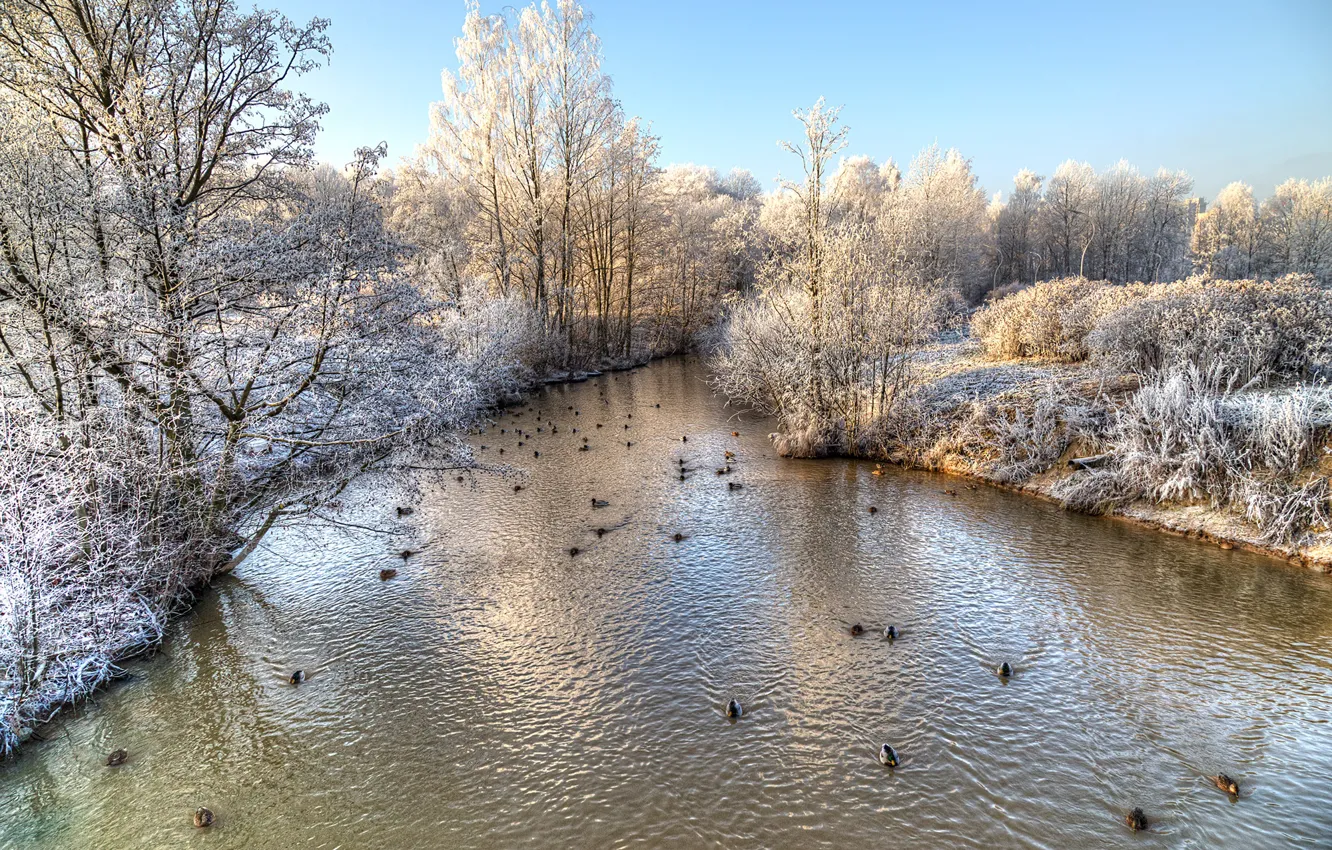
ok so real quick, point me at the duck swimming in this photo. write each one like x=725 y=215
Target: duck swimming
x=406 y=511
x=1225 y=783
x=1005 y=670
x=890 y=633
x=857 y=630
x=387 y=573
x=600 y=503
x=677 y=537
x=573 y=552
x=1136 y=820
x=203 y=816
x=888 y=756
x=873 y=509
x=117 y=758
x=297 y=677
x=734 y=709
x=731 y=485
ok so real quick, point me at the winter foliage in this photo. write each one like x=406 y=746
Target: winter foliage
x=205 y=334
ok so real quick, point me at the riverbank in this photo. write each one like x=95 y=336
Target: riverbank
x=91 y=625
x=1026 y=426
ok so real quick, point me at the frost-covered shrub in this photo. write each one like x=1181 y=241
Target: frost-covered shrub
x=93 y=555
x=1281 y=432
x=1282 y=509
x=1256 y=329
x=1031 y=322
x=1188 y=435
x=1243 y=330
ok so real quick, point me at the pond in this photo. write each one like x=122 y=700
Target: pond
x=500 y=691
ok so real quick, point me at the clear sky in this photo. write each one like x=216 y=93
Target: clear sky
x=1225 y=90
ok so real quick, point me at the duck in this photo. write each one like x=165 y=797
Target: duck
x=677 y=537
x=734 y=709
x=406 y=553
x=583 y=447
x=873 y=509
x=658 y=405
x=600 y=503
x=626 y=426
x=601 y=532
x=1005 y=670
x=684 y=439
x=406 y=511
x=857 y=630
x=628 y=444
x=950 y=492
x=297 y=677
x=888 y=756
x=1136 y=820
x=598 y=424
x=203 y=816
x=735 y=433
x=117 y=758
x=732 y=485
x=536 y=454
x=1225 y=783
x=573 y=552
x=682 y=461
x=890 y=633
x=387 y=573
x=730 y=455
x=517 y=488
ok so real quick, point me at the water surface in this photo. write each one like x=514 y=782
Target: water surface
x=500 y=692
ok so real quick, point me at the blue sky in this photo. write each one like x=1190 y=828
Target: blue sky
x=1226 y=91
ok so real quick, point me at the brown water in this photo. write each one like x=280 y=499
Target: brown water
x=500 y=693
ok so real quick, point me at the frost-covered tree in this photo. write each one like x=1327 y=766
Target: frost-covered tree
x=1296 y=229
x=1226 y=238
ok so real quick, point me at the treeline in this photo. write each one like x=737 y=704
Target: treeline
x=1122 y=226
x=537 y=187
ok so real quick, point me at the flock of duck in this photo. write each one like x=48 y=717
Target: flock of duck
x=1136 y=819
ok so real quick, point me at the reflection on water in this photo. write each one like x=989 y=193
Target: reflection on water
x=499 y=692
